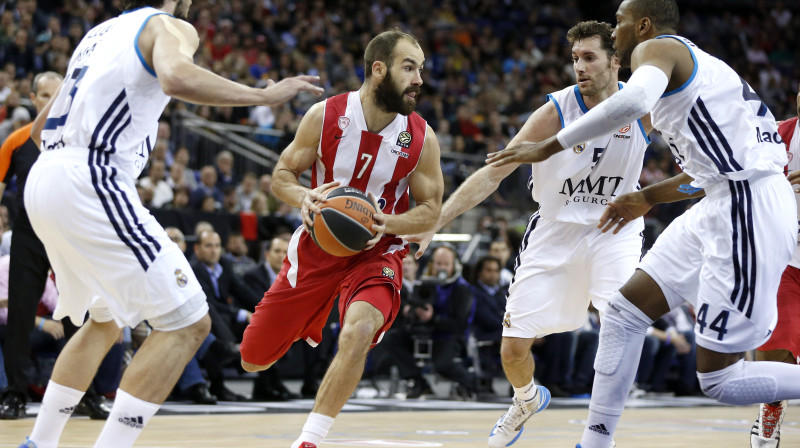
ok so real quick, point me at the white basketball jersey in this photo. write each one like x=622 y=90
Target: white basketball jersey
x=576 y=184
x=717 y=127
x=794 y=165
x=110 y=101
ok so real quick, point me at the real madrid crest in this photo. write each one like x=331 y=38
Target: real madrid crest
x=507 y=320
x=404 y=139
x=181 y=278
x=579 y=148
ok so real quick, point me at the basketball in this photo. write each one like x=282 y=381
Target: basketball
x=343 y=226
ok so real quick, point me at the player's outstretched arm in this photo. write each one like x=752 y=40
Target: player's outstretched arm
x=543 y=123
x=168 y=45
x=427 y=186
x=297 y=158
x=627 y=207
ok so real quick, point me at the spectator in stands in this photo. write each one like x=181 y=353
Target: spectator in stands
x=259 y=204
x=224 y=166
x=500 y=250
x=490 y=306
x=265 y=187
x=207 y=187
x=189 y=175
x=156 y=181
x=231 y=300
x=230 y=200
x=236 y=252
x=246 y=190
x=19 y=118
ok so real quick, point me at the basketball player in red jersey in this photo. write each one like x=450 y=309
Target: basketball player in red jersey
x=371 y=140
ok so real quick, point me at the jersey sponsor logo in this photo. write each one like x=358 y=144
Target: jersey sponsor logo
x=180 y=278
x=590 y=191
x=579 y=148
x=404 y=139
x=388 y=272
x=399 y=153
x=624 y=129
x=768 y=136
x=507 y=320
x=344 y=122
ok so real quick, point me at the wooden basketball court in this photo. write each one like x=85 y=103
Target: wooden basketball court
x=365 y=424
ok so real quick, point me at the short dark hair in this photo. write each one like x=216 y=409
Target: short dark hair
x=479 y=265
x=42 y=75
x=128 y=5
x=381 y=48
x=662 y=13
x=592 y=28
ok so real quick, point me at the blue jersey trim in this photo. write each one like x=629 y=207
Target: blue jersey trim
x=579 y=97
x=136 y=44
x=694 y=71
x=558 y=108
x=641 y=126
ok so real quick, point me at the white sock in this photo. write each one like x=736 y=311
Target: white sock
x=57 y=405
x=315 y=429
x=128 y=417
x=526 y=392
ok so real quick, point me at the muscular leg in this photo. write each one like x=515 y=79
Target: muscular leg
x=361 y=322
x=517 y=359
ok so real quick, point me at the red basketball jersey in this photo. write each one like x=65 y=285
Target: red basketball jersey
x=376 y=163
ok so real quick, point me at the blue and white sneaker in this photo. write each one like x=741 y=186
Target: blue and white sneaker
x=509 y=427
x=28 y=443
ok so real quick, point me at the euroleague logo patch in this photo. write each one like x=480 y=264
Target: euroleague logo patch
x=404 y=139
x=181 y=278
x=388 y=272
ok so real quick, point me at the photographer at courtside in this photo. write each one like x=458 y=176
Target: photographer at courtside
x=440 y=310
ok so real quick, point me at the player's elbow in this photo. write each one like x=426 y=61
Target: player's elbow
x=174 y=86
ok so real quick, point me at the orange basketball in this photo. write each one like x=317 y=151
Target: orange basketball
x=344 y=225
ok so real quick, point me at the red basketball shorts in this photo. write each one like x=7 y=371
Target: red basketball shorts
x=288 y=313
x=786 y=335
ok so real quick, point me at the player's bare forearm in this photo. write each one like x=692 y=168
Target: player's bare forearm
x=419 y=219
x=676 y=188
x=286 y=186
x=472 y=192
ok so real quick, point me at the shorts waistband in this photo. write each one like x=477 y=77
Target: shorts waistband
x=723 y=188
x=71 y=154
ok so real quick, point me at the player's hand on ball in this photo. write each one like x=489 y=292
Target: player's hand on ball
x=423 y=239
x=311 y=202
x=525 y=152
x=623 y=210
x=379 y=226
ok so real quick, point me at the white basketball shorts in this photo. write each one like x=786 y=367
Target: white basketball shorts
x=725 y=256
x=561 y=268
x=108 y=253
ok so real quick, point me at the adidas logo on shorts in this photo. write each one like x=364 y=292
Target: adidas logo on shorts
x=600 y=428
x=133 y=422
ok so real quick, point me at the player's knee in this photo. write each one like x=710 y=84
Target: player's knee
x=515 y=350
x=733 y=385
x=249 y=367
x=357 y=335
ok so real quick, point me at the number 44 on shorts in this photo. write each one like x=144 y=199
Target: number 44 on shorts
x=718 y=324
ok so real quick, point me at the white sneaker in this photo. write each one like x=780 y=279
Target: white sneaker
x=766 y=432
x=509 y=427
